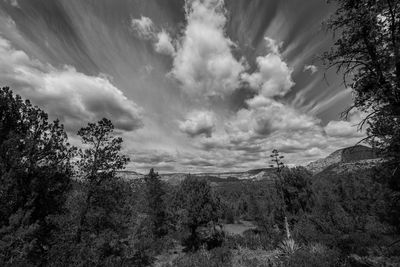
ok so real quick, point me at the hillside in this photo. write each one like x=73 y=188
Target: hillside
x=347 y=157
x=214 y=178
x=129 y=175
x=224 y=177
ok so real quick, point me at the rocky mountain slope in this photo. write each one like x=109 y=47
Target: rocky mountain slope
x=347 y=158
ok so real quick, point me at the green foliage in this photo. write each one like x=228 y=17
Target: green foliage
x=35 y=176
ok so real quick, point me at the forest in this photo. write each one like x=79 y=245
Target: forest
x=65 y=205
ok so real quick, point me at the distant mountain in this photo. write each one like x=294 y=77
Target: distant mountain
x=213 y=178
x=360 y=156
x=345 y=159
x=129 y=175
x=223 y=177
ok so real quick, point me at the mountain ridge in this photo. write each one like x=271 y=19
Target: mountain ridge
x=346 y=156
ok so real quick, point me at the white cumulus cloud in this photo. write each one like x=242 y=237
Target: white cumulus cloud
x=143 y=27
x=73 y=97
x=273 y=77
x=204 y=64
x=164 y=44
x=346 y=128
x=198 y=123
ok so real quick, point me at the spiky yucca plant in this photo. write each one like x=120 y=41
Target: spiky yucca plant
x=288 y=246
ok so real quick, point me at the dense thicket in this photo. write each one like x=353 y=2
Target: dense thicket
x=35 y=175
x=197 y=212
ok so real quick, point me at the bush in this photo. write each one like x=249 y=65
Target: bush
x=311 y=257
x=219 y=257
x=253 y=240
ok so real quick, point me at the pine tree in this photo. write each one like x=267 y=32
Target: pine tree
x=196 y=206
x=155 y=204
x=367 y=53
x=97 y=165
x=35 y=176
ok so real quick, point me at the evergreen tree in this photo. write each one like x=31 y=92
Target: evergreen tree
x=367 y=53
x=155 y=204
x=196 y=207
x=102 y=207
x=35 y=174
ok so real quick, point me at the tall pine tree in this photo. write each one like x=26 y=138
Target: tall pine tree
x=155 y=204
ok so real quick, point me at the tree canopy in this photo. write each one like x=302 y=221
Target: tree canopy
x=367 y=53
x=35 y=173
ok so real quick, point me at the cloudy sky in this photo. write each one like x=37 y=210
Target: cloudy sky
x=195 y=85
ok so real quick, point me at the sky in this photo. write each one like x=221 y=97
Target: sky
x=191 y=86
